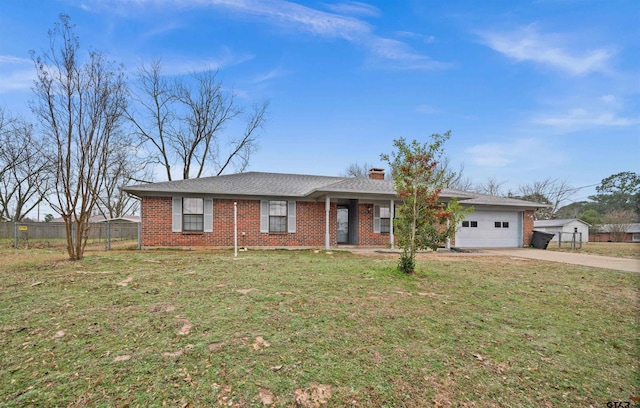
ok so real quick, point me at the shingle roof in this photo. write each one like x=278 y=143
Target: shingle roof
x=256 y=184
x=556 y=223
x=631 y=228
x=484 y=199
x=241 y=184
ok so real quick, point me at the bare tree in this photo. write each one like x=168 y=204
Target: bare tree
x=358 y=170
x=455 y=178
x=155 y=116
x=124 y=168
x=184 y=125
x=80 y=107
x=617 y=223
x=491 y=187
x=554 y=191
x=23 y=179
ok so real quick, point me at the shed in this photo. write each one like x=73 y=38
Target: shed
x=563 y=228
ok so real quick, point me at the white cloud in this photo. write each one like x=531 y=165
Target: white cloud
x=10 y=59
x=355 y=8
x=426 y=109
x=14 y=75
x=502 y=154
x=427 y=39
x=267 y=76
x=17 y=80
x=581 y=118
x=339 y=24
x=175 y=65
x=527 y=44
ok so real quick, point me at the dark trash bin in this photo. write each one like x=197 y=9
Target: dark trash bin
x=541 y=239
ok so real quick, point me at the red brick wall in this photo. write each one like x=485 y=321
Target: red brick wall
x=310 y=226
x=366 y=236
x=527 y=227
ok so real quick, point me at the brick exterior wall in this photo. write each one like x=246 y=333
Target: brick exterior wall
x=366 y=236
x=310 y=226
x=527 y=227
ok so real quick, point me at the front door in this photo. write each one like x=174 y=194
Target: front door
x=343 y=224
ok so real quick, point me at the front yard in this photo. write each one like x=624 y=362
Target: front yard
x=615 y=249
x=287 y=328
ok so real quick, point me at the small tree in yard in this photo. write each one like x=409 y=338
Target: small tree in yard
x=80 y=107
x=422 y=220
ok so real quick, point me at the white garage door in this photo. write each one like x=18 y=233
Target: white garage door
x=490 y=229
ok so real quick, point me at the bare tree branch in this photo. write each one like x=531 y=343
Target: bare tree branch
x=23 y=179
x=80 y=107
x=183 y=123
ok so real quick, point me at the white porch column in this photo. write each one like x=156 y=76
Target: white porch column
x=391 y=216
x=327 y=235
x=447 y=245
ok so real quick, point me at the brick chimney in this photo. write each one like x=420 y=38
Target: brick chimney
x=376 y=174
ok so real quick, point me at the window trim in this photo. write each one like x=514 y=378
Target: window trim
x=198 y=216
x=377 y=219
x=282 y=219
x=290 y=218
x=177 y=219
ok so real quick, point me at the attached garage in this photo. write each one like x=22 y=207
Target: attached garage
x=490 y=229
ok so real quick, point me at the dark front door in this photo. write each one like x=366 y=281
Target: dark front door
x=343 y=224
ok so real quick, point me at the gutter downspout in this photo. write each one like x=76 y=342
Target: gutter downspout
x=327 y=237
x=391 y=215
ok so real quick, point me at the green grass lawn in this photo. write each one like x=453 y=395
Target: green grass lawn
x=149 y=328
x=615 y=249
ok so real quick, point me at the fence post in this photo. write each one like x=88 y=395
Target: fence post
x=560 y=239
x=580 y=240
x=15 y=234
x=139 y=235
x=107 y=240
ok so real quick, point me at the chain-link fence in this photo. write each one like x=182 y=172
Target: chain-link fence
x=101 y=235
x=571 y=240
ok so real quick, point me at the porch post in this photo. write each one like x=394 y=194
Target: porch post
x=327 y=236
x=447 y=244
x=391 y=216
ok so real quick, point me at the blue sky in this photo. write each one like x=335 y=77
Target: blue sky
x=529 y=89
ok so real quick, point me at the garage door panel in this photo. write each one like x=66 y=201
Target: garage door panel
x=486 y=234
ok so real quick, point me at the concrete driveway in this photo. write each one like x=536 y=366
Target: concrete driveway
x=595 y=261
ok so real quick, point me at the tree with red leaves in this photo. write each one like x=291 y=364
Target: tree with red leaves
x=423 y=220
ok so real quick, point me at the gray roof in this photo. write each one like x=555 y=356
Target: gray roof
x=240 y=184
x=256 y=184
x=556 y=223
x=631 y=228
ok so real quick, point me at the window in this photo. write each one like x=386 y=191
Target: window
x=382 y=219
x=385 y=220
x=193 y=214
x=505 y=224
x=498 y=224
x=501 y=224
x=277 y=216
x=472 y=224
x=635 y=237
